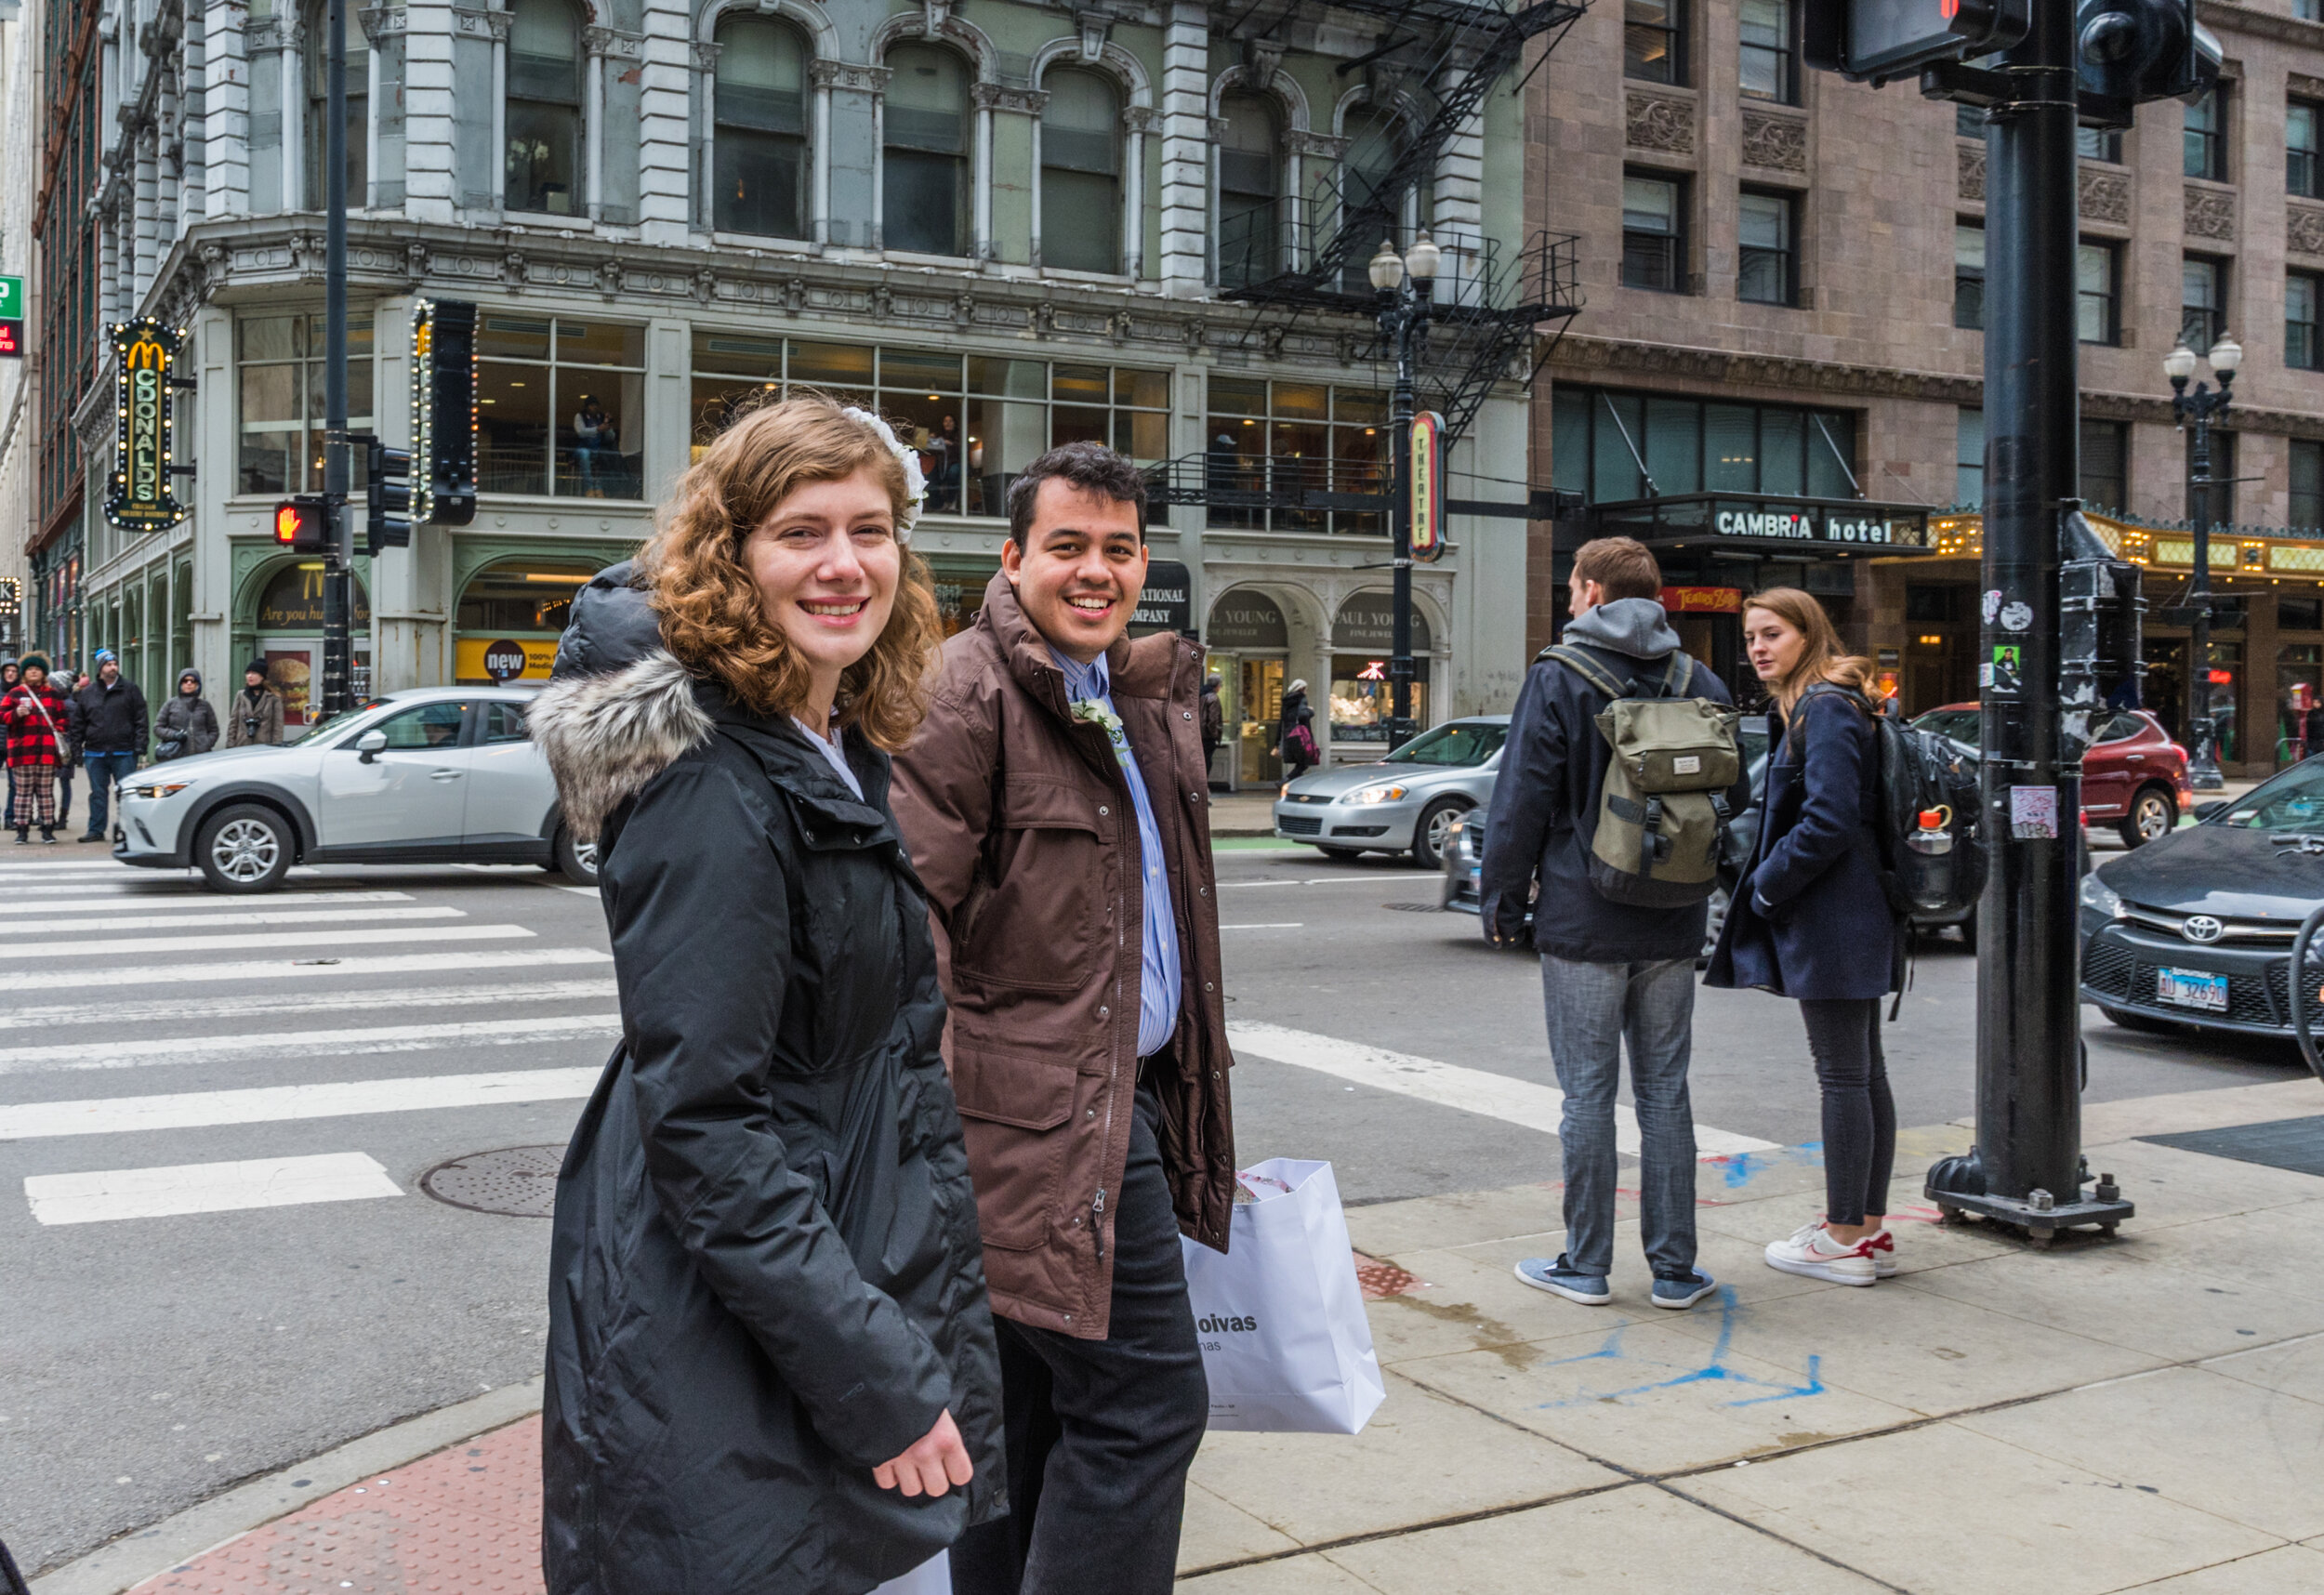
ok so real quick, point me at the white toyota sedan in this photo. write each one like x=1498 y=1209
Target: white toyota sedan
x=431 y=775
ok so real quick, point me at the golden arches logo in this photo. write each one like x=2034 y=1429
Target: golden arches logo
x=146 y=353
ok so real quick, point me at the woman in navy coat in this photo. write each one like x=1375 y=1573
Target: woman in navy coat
x=1810 y=920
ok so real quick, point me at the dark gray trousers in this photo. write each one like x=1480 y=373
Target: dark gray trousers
x=1101 y=1432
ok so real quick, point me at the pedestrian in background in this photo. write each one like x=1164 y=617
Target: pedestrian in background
x=1213 y=724
x=68 y=683
x=1296 y=731
x=186 y=724
x=111 y=724
x=1611 y=972
x=771 y=1364
x=1811 y=921
x=254 y=718
x=1055 y=802
x=34 y=714
x=10 y=675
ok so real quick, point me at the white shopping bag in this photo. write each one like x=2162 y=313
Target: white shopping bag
x=1283 y=1337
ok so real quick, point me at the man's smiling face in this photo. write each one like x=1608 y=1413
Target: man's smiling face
x=1080 y=570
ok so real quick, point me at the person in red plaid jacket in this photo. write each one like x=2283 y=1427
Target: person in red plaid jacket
x=35 y=715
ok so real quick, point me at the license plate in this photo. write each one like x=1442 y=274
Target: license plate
x=2192 y=988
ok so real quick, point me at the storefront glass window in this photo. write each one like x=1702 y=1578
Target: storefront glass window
x=560 y=406
x=2299 y=694
x=976 y=422
x=1362 y=638
x=290 y=635
x=510 y=617
x=1600 y=436
x=1263 y=437
x=280 y=380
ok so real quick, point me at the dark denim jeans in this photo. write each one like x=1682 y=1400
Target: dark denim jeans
x=105 y=769
x=1101 y=1432
x=1592 y=1010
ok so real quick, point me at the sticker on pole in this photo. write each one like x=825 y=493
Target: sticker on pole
x=2033 y=814
x=2000 y=677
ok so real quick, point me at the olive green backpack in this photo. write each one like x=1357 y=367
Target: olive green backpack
x=1662 y=809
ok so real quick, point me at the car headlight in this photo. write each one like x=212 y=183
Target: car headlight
x=160 y=788
x=2097 y=894
x=1384 y=794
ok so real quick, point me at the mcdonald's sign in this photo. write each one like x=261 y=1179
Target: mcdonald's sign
x=143 y=497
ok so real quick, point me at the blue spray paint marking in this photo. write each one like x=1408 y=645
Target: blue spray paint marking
x=1740 y=1168
x=1713 y=1371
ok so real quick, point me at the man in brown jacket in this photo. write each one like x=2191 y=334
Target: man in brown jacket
x=1057 y=807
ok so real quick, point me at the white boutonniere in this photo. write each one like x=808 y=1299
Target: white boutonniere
x=1097 y=714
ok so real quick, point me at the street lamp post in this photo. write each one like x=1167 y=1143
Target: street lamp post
x=1407 y=285
x=2201 y=403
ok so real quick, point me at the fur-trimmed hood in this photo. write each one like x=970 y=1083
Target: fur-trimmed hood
x=606 y=736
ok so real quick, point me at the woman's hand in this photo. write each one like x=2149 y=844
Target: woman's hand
x=936 y=1460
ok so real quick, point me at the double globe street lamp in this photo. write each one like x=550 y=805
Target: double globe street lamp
x=1407 y=285
x=2200 y=403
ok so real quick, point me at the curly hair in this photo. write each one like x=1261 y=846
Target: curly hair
x=711 y=614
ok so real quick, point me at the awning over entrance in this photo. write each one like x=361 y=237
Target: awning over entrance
x=1767 y=526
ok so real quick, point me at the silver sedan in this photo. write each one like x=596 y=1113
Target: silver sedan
x=1408 y=801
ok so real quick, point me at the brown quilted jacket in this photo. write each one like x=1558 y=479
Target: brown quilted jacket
x=1020 y=825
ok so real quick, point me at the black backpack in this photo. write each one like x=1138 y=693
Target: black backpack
x=1932 y=874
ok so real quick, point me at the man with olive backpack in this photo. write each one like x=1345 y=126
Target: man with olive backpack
x=1621 y=771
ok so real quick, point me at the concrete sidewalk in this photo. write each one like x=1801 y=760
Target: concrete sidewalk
x=2146 y=1412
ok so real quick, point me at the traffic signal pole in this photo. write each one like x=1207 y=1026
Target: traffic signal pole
x=2027 y=1168
x=337 y=576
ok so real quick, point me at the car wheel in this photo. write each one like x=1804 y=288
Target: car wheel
x=2144 y=1022
x=244 y=847
x=2154 y=815
x=1433 y=834
x=577 y=861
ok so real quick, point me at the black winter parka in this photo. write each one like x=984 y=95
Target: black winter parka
x=765 y=1270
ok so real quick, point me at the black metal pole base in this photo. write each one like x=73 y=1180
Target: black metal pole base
x=1956 y=1186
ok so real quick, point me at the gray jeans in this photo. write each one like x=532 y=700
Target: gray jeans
x=1593 y=1010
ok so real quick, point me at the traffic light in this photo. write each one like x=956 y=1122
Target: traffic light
x=444 y=412
x=2138 y=50
x=303 y=524
x=386 y=497
x=1887 y=39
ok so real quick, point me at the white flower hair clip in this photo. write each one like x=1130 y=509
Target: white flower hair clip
x=915 y=480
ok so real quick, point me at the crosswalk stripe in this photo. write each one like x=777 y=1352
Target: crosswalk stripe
x=147 y=945
x=235 y=917
x=129 y=1053
x=249 y=1005
x=1481 y=1091
x=311 y=969
x=156 y=901
x=103 y=1196
x=272 y=1104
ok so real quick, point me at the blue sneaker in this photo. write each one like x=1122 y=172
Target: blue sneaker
x=1559 y=1278
x=1679 y=1294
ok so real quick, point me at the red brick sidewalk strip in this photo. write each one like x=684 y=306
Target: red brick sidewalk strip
x=464 y=1522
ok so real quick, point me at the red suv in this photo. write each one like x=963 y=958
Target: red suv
x=2133 y=776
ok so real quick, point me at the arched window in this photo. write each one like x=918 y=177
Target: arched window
x=318 y=120
x=1081 y=172
x=759 y=151
x=1250 y=185
x=924 y=175
x=543 y=110
x=1376 y=141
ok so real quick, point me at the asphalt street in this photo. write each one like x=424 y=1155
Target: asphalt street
x=216 y=1259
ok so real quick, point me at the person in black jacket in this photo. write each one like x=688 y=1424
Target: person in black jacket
x=1296 y=734
x=1610 y=971
x=109 y=721
x=770 y=1364
x=1811 y=921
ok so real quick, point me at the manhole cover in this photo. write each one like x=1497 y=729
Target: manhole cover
x=1415 y=908
x=516 y=1180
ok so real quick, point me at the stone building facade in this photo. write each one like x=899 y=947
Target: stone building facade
x=998 y=219
x=1771 y=252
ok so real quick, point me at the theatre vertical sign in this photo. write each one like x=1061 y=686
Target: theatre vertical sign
x=144 y=487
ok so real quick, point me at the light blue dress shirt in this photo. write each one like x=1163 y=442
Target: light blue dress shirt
x=1158 y=962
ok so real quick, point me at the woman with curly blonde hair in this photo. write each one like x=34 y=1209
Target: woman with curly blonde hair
x=771 y=1364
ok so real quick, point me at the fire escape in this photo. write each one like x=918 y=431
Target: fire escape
x=1307 y=254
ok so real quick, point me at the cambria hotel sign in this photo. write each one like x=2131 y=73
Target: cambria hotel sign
x=143 y=497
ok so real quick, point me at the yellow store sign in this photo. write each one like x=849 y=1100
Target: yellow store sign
x=503 y=659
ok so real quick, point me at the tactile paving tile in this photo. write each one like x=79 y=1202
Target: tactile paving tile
x=464 y=1522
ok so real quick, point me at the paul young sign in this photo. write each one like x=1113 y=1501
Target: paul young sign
x=143 y=497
